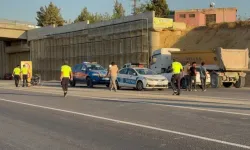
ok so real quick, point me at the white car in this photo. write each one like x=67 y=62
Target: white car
x=198 y=81
x=141 y=78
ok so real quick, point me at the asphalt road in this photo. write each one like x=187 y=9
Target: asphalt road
x=96 y=119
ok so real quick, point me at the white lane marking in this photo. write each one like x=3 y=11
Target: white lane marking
x=132 y=124
x=201 y=109
x=145 y=102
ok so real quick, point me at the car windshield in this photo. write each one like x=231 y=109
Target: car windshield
x=94 y=67
x=145 y=71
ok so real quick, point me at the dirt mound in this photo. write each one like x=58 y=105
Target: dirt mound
x=226 y=35
x=207 y=38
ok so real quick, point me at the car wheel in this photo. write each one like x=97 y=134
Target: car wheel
x=117 y=85
x=161 y=89
x=183 y=83
x=73 y=83
x=227 y=84
x=89 y=83
x=139 y=86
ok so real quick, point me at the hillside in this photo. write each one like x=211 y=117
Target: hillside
x=226 y=35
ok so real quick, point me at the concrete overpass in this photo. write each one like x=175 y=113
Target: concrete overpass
x=13 y=44
x=14 y=30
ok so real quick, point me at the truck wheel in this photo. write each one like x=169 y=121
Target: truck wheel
x=72 y=83
x=216 y=81
x=240 y=83
x=139 y=86
x=227 y=84
x=89 y=83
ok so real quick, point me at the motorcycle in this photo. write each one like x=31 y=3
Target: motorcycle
x=35 y=80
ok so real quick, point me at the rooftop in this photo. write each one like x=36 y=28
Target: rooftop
x=206 y=9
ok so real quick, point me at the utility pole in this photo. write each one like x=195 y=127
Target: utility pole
x=134 y=7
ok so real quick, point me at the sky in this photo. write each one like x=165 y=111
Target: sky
x=25 y=10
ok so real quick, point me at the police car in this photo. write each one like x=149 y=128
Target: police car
x=90 y=73
x=141 y=78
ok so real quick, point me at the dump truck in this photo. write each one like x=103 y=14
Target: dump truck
x=227 y=67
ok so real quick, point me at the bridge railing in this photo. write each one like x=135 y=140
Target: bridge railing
x=17 y=23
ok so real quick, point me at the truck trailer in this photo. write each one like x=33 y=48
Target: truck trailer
x=226 y=67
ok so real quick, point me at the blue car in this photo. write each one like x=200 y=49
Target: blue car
x=89 y=73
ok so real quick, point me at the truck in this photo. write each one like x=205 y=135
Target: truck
x=226 y=67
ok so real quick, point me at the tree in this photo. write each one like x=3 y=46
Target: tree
x=159 y=6
x=49 y=16
x=140 y=9
x=119 y=10
x=86 y=15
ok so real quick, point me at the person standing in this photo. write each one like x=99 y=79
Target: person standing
x=16 y=74
x=25 y=72
x=177 y=68
x=186 y=74
x=193 y=77
x=203 y=76
x=108 y=76
x=113 y=71
x=66 y=75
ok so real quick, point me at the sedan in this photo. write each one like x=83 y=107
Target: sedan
x=141 y=78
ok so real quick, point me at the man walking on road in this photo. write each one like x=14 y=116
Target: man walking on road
x=177 y=68
x=25 y=72
x=113 y=71
x=193 y=77
x=203 y=76
x=66 y=75
x=16 y=74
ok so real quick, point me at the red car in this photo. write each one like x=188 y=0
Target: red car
x=8 y=76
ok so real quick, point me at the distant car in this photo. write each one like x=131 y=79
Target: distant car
x=141 y=78
x=89 y=73
x=8 y=76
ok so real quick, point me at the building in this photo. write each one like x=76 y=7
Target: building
x=127 y=39
x=203 y=17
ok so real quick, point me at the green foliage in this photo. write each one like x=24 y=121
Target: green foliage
x=140 y=9
x=119 y=10
x=159 y=6
x=86 y=15
x=97 y=17
x=49 y=16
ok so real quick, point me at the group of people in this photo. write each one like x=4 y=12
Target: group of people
x=67 y=75
x=189 y=72
x=19 y=73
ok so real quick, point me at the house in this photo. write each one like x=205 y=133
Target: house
x=203 y=17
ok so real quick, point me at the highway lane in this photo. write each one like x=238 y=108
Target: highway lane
x=232 y=105
x=31 y=128
x=229 y=93
x=101 y=134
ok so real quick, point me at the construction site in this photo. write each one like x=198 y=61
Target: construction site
x=129 y=39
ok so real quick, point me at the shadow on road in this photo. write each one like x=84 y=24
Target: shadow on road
x=30 y=94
